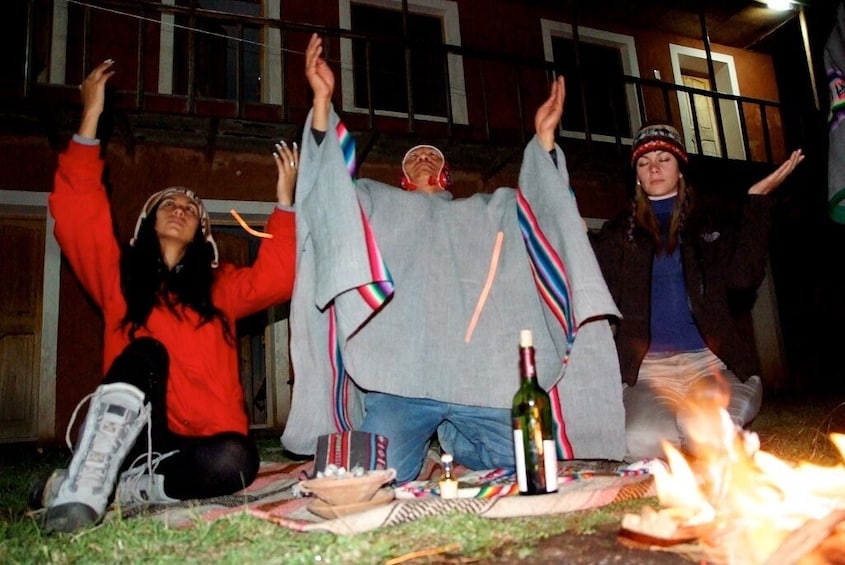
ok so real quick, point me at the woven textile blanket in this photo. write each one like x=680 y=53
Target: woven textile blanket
x=274 y=496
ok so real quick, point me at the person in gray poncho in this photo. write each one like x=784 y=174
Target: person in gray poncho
x=408 y=303
x=834 y=64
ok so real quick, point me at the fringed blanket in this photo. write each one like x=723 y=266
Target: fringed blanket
x=274 y=496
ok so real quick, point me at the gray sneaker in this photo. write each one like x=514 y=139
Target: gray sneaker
x=43 y=491
x=140 y=485
x=116 y=416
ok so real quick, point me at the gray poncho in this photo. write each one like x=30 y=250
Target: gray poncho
x=834 y=62
x=424 y=296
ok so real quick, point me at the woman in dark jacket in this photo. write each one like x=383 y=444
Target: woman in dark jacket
x=671 y=270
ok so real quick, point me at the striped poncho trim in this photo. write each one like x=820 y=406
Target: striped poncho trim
x=373 y=294
x=553 y=285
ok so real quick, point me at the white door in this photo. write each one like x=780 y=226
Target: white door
x=706 y=118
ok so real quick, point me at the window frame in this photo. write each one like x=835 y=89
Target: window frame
x=446 y=10
x=725 y=81
x=271 y=71
x=630 y=66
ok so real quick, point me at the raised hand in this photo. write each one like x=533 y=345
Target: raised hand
x=287 y=163
x=93 y=93
x=775 y=179
x=549 y=113
x=321 y=79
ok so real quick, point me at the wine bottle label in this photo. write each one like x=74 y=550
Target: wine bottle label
x=550 y=459
x=521 y=473
x=528 y=475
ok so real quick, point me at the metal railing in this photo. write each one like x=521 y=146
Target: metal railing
x=499 y=89
x=765 y=109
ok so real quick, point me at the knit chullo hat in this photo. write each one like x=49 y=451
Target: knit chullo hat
x=205 y=221
x=658 y=137
x=443 y=178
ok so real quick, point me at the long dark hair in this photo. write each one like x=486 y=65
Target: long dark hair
x=643 y=217
x=147 y=282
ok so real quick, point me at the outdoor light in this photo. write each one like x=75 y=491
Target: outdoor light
x=779 y=4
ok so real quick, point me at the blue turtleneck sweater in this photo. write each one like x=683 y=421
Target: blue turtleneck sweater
x=672 y=326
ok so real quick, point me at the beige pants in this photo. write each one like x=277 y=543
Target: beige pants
x=666 y=384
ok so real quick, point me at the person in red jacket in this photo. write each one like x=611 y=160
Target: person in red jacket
x=170 y=357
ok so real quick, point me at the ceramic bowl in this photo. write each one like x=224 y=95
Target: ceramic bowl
x=330 y=512
x=338 y=491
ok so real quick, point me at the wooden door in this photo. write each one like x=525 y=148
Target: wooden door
x=22 y=265
x=237 y=247
x=706 y=117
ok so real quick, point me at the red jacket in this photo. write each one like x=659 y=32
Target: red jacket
x=204 y=394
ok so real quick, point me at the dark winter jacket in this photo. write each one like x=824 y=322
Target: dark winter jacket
x=721 y=259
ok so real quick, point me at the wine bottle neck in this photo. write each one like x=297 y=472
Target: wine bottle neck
x=527 y=369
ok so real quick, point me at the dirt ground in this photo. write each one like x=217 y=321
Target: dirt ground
x=599 y=548
x=602 y=547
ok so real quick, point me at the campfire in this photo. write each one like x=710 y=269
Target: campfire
x=730 y=502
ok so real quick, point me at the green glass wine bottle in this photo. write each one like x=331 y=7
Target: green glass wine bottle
x=534 y=445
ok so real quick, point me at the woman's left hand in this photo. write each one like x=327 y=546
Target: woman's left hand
x=287 y=163
x=93 y=94
x=775 y=179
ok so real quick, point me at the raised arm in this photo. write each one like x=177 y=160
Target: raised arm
x=774 y=180
x=549 y=113
x=93 y=91
x=287 y=161
x=321 y=79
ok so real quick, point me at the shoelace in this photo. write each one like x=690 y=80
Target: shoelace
x=93 y=469
x=130 y=480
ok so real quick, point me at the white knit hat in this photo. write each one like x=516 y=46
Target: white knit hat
x=205 y=221
x=443 y=178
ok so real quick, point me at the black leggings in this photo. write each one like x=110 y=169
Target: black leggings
x=204 y=466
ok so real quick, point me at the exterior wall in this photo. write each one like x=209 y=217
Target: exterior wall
x=504 y=96
x=137 y=166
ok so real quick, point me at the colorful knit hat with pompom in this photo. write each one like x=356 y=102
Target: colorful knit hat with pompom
x=658 y=137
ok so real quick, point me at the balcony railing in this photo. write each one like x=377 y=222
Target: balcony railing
x=168 y=66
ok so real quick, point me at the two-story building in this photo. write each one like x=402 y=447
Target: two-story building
x=204 y=88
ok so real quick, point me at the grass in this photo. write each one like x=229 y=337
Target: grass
x=794 y=429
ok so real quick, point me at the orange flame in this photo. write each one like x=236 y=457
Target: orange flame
x=741 y=501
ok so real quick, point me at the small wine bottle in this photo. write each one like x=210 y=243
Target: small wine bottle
x=448 y=484
x=534 y=445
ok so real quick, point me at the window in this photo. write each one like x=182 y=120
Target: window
x=430 y=22
x=222 y=46
x=605 y=57
x=387 y=62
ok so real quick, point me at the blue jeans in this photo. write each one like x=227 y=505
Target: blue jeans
x=477 y=437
